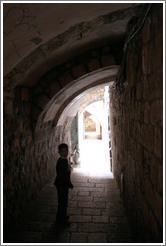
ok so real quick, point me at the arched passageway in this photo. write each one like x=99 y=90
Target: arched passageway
x=94 y=135
x=89 y=202
x=60 y=112
x=119 y=47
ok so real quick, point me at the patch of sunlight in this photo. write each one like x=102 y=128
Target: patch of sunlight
x=93 y=159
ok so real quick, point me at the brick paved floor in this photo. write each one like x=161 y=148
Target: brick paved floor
x=95 y=208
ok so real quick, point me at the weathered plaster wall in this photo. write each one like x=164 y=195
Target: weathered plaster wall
x=136 y=126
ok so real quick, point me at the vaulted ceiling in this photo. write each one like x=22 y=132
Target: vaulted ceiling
x=39 y=36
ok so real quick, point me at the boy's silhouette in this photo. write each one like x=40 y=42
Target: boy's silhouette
x=62 y=183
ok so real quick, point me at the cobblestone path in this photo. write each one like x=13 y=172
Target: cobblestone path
x=95 y=208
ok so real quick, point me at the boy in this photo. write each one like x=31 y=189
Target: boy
x=62 y=183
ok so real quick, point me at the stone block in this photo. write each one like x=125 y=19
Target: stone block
x=100 y=219
x=8 y=107
x=30 y=236
x=155 y=86
x=8 y=94
x=80 y=180
x=139 y=92
x=158 y=209
x=160 y=178
x=73 y=204
x=146 y=112
x=108 y=60
x=93 y=180
x=93 y=227
x=147 y=137
x=145 y=210
x=147 y=162
x=37 y=226
x=35 y=113
x=145 y=89
x=15 y=144
x=146 y=34
x=138 y=111
x=25 y=94
x=65 y=79
x=75 y=210
x=91 y=204
x=150 y=57
x=158 y=80
x=149 y=192
x=84 y=184
x=83 y=198
x=78 y=71
x=83 y=193
x=100 y=185
x=97 y=238
x=98 y=194
x=136 y=151
x=79 y=237
x=158 y=142
x=154 y=225
x=63 y=237
x=17 y=125
x=42 y=101
x=81 y=218
x=154 y=171
x=156 y=112
x=93 y=65
x=95 y=53
x=37 y=90
x=129 y=71
x=93 y=189
x=91 y=211
x=120 y=238
x=137 y=128
x=54 y=87
x=156 y=54
x=27 y=109
x=106 y=50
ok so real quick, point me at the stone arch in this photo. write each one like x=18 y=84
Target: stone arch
x=96 y=95
x=74 y=92
x=56 y=81
x=58 y=114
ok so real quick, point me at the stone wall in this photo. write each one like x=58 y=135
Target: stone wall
x=29 y=158
x=17 y=152
x=30 y=153
x=136 y=126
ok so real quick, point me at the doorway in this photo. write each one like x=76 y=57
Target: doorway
x=93 y=134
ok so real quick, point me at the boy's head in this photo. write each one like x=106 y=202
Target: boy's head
x=63 y=150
